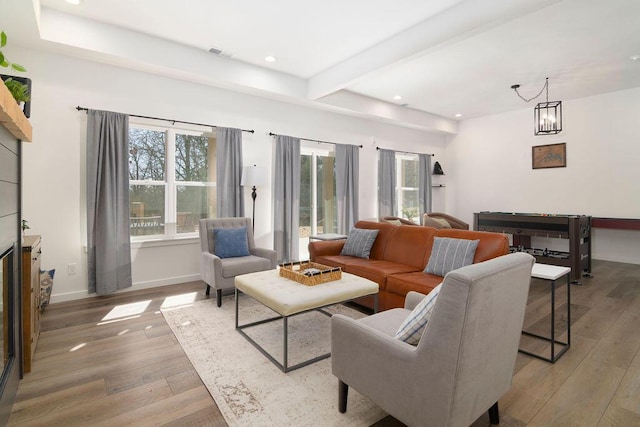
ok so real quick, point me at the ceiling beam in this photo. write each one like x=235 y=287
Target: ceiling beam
x=452 y=25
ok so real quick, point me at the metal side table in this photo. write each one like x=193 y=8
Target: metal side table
x=552 y=273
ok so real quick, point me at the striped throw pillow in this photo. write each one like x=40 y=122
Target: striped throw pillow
x=411 y=329
x=450 y=254
x=359 y=243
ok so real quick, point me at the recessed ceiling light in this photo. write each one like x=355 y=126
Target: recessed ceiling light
x=76 y=2
x=397 y=97
x=635 y=57
x=458 y=115
x=270 y=58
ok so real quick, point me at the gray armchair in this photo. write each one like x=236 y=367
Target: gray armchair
x=221 y=272
x=464 y=361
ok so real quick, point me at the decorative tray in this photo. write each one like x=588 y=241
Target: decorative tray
x=310 y=273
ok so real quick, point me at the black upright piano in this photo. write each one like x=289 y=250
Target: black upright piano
x=576 y=228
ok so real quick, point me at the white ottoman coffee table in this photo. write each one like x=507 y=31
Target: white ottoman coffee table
x=288 y=298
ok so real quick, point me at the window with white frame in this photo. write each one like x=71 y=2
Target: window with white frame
x=407 y=177
x=318 y=207
x=171 y=180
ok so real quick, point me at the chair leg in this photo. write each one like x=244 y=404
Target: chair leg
x=343 y=392
x=494 y=414
x=219 y=297
x=208 y=291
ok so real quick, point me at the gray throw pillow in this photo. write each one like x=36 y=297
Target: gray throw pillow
x=359 y=243
x=449 y=254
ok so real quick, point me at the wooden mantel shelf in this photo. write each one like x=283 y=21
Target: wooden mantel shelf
x=12 y=117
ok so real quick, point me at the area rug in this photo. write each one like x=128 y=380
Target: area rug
x=250 y=390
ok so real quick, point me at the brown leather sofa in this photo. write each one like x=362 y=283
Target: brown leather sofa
x=399 y=256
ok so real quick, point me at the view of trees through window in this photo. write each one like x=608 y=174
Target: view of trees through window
x=318 y=208
x=407 y=187
x=171 y=180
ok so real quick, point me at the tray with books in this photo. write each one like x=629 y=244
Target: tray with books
x=310 y=273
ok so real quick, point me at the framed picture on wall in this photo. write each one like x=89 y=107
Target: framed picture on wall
x=549 y=156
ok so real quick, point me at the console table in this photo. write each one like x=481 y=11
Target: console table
x=576 y=228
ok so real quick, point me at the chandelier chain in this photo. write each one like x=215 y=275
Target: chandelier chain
x=545 y=87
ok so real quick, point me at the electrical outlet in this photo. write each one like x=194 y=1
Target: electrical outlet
x=72 y=269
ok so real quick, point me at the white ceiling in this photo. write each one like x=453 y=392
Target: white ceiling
x=443 y=56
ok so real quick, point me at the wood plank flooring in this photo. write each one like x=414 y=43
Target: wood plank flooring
x=113 y=361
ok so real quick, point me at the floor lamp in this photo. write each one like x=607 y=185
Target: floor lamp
x=254 y=176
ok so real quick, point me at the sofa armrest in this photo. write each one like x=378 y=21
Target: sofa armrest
x=269 y=254
x=210 y=268
x=324 y=248
x=412 y=299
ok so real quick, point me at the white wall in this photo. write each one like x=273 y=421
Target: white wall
x=54 y=183
x=488 y=168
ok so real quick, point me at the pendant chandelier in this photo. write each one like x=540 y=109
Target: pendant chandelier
x=547 y=116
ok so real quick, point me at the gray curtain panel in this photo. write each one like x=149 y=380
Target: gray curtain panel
x=386 y=183
x=108 y=246
x=230 y=202
x=347 y=175
x=286 y=213
x=424 y=184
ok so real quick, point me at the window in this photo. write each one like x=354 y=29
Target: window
x=171 y=180
x=318 y=207
x=407 y=177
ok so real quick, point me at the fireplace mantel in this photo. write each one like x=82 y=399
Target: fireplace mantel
x=11 y=116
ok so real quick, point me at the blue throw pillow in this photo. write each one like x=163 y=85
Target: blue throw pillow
x=359 y=243
x=230 y=242
x=450 y=254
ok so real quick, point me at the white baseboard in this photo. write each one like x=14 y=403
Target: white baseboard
x=71 y=296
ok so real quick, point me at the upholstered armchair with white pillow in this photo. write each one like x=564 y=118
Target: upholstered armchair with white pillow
x=465 y=353
x=228 y=250
x=439 y=220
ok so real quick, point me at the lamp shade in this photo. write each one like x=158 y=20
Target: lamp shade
x=254 y=176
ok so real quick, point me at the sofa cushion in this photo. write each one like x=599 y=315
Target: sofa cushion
x=359 y=243
x=419 y=281
x=385 y=231
x=377 y=270
x=410 y=331
x=492 y=245
x=235 y=266
x=450 y=254
x=230 y=242
x=410 y=245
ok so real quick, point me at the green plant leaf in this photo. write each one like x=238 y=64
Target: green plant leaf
x=3 y=39
x=18 y=67
x=4 y=63
x=2 y=59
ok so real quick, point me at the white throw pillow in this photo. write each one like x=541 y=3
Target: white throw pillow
x=411 y=329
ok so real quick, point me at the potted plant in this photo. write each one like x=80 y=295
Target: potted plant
x=20 y=87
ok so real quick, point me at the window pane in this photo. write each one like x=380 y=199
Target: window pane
x=409 y=173
x=305 y=195
x=327 y=209
x=146 y=154
x=192 y=158
x=194 y=203
x=147 y=209
x=409 y=204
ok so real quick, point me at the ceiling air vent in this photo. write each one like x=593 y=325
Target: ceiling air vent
x=220 y=52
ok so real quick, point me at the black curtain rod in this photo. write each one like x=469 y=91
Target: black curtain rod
x=406 y=152
x=168 y=120
x=314 y=140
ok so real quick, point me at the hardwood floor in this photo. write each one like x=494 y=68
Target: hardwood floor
x=113 y=361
